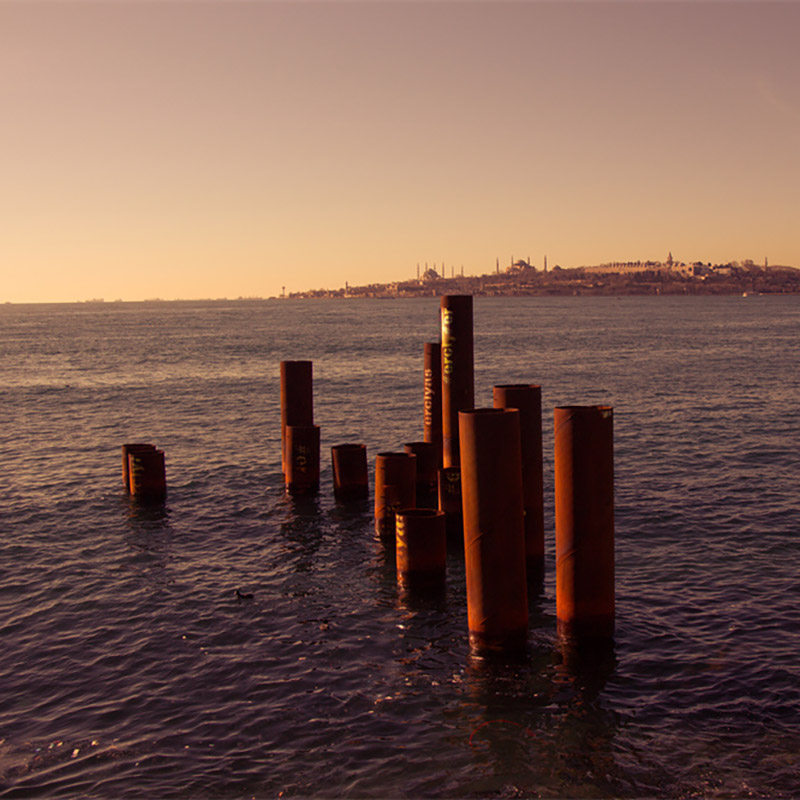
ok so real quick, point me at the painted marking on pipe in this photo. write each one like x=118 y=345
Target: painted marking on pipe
x=447 y=344
x=428 y=398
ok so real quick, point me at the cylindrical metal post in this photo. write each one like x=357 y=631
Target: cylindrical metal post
x=302 y=458
x=450 y=501
x=421 y=547
x=395 y=488
x=427 y=469
x=527 y=399
x=584 y=494
x=132 y=448
x=458 y=382
x=147 y=474
x=432 y=397
x=350 y=481
x=494 y=538
x=297 y=399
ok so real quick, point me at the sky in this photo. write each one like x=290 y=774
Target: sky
x=225 y=149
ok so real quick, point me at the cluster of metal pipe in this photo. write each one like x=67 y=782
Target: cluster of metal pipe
x=478 y=474
x=143 y=472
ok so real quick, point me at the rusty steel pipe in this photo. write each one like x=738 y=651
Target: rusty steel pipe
x=527 y=399
x=494 y=534
x=432 y=397
x=450 y=501
x=421 y=547
x=147 y=474
x=132 y=448
x=584 y=499
x=302 y=458
x=350 y=481
x=297 y=399
x=427 y=470
x=395 y=488
x=458 y=379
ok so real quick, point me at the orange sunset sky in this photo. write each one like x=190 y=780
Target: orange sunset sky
x=223 y=149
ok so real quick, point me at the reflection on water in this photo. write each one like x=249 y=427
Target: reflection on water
x=540 y=722
x=302 y=531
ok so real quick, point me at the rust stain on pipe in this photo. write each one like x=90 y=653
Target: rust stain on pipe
x=302 y=458
x=350 y=481
x=395 y=488
x=458 y=381
x=584 y=495
x=527 y=399
x=494 y=538
x=297 y=399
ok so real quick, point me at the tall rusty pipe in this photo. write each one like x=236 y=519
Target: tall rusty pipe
x=527 y=399
x=494 y=537
x=584 y=499
x=395 y=488
x=302 y=458
x=458 y=378
x=421 y=547
x=133 y=447
x=432 y=397
x=449 y=485
x=349 y=462
x=297 y=399
x=427 y=469
x=147 y=474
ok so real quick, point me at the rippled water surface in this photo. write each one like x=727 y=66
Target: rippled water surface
x=129 y=667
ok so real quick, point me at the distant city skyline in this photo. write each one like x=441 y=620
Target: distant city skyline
x=197 y=150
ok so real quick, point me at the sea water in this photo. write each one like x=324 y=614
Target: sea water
x=130 y=667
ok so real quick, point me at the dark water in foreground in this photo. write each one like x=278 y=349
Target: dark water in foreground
x=129 y=668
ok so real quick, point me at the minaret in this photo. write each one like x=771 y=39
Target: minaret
x=498 y=265
x=417 y=270
x=545 y=263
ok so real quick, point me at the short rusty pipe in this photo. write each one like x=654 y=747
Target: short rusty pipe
x=432 y=397
x=450 y=502
x=395 y=488
x=297 y=399
x=494 y=535
x=302 y=459
x=147 y=475
x=421 y=547
x=527 y=399
x=458 y=372
x=350 y=480
x=427 y=469
x=584 y=500
x=134 y=447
